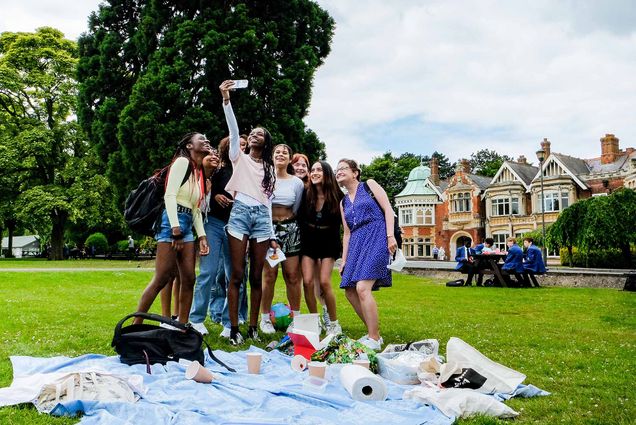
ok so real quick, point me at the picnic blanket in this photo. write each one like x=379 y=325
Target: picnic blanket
x=276 y=396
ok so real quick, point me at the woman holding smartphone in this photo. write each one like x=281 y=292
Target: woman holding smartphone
x=252 y=186
x=368 y=243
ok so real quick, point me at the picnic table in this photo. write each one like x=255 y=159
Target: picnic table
x=489 y=264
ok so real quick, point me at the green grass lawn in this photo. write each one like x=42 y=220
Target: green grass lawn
x=43 y=263
x=579 y=344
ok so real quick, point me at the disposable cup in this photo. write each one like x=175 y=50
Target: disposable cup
x=363 y=362
x=299 y=363
x=318 y=369
x=198 y=373
x=254 y=363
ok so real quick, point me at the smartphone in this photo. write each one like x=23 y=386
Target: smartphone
x=240 y=84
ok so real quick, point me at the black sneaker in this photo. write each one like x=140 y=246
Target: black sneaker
x=236 y=339
x=252 y=333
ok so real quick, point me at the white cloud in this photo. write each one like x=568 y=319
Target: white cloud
x=494 y=74
x=477 y=65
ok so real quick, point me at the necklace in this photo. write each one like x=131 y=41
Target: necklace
x=256 y=159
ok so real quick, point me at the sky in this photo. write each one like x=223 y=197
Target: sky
x=452 y=76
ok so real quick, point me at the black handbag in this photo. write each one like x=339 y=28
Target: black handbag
x=149 y=344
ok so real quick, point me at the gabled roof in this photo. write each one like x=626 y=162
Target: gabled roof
x=20 y=241
x=573 y=167
x=621 y=164
x=523 y=172
x=481 y=181
x=443 y=184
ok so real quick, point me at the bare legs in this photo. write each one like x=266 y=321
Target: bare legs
x=258 y=250
x=364 y=304
x=291 y=275
x=323 y=269
x=165 y=265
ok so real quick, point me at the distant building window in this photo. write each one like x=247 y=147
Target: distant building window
x=419 y=217
x=500 y=241
x=505 y=206
x=556 y=201
x=460 y=202
x=407 y=216
x=428 y=217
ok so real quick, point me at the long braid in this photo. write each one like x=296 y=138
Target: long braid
x=269 y=177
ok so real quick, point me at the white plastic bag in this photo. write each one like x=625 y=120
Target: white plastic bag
x=499 y=378
x=397 y=263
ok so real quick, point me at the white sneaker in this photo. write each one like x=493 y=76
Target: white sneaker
x=371 y=343
x=266 y=327
x=334 y=329
x=225 y=333
x=381 y=340
x=200 y=327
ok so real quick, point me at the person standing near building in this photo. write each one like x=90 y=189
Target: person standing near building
x=368 y=243
x=131 y=247
x=435 y=252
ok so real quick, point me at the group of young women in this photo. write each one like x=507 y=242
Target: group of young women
x=263 y=197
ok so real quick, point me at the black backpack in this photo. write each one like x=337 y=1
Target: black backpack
x=397 y=233
x=148 y=344
x=144 y=205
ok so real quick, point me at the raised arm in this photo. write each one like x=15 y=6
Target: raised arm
x=232 y=125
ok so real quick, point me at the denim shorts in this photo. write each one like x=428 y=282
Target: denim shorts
x=164 y=231
x=252 y=221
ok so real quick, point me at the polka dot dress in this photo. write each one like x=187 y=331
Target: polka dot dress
x=368 y=254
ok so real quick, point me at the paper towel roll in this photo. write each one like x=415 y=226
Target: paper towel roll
x=362 y=384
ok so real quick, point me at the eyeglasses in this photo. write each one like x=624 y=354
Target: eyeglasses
x=342 y=169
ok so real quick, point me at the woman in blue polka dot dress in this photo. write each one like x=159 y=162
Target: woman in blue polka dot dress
x=368 y=243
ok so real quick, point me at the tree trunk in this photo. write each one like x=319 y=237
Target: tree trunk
x=627 y=255
x=58 y=220
x=11 y=229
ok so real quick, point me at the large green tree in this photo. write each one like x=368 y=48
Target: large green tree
x=45 y=157
x=487 y=162
x=149 y=72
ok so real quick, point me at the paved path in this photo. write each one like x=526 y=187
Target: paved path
x=77 y=269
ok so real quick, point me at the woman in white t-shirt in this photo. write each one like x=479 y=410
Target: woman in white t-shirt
x=288 y=195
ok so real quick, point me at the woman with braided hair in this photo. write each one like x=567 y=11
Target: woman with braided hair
x=185 y=188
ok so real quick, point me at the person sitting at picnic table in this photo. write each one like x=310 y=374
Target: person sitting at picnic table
x=465 y=262
x=532 y=262
x=486 y=247
x=513 y=264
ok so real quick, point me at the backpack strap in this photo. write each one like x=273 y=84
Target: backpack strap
x=149 y=316
x=216 y=359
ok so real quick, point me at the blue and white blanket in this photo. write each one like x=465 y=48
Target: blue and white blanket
x=276 y=396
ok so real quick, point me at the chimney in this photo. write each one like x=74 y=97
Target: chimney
x=609 y=149
x=545 y=145
x=434 y=164
x=465 y=165
x=522 y=159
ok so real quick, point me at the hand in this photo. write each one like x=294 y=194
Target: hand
x=225 y=89
x=392 y=244
x=273 y=244
x=223 y=200
x=177 y=244
x=341 y=268
x=204 y=248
